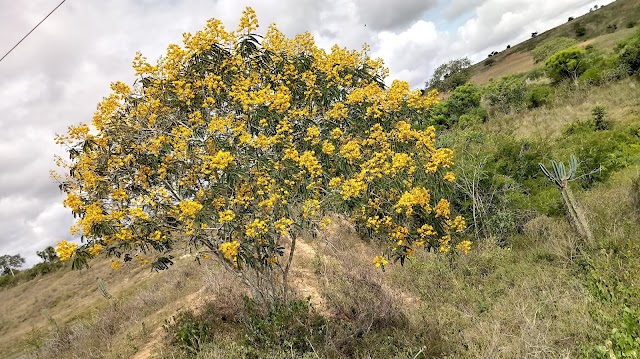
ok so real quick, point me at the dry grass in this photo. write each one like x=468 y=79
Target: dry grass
x=621 y=101
x=514 y=63
x=63 y=314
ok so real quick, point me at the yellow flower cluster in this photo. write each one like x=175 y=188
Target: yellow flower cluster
x=95 y=249
x=283 y=225
x=309 y=161
x=256 y=228
x=219 y=161
x=189 y=209
x=417 y=196
x=464 y=246
x=66 y=250
x=230 y=251
x=226 y=216
x=442 y=209
x=380 y=261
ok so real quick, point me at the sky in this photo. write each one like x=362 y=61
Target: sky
x=57 y=76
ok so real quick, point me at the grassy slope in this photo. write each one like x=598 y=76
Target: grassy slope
x=518 y=59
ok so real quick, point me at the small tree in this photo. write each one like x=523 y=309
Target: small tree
x=450 y=75
x=566 y=64
x=235 y=144
x=48 y=255
x=10 y=262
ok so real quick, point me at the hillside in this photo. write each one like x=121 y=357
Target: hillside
x=599 y=33
x=517 y=277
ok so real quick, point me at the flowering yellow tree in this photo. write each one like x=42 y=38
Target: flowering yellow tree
x=235 y=143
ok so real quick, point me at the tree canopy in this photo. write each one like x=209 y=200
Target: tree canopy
x=450 y=75
x=236 y=143
x=10 y=262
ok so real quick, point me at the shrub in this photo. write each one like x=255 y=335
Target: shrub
x=468 y=120
x=507 y=95
x=630 y=55
x=580 y=30
x=450 y=75
x=188 y=332
x=294 y=325
x=566 y=64
x=599 y=113
x=631 y=24
x=463 y=99
x=539 y=96
x=592 y=76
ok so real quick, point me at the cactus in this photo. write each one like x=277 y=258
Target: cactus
x=103 y=289
x=561 y=179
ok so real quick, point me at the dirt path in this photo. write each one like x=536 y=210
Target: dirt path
x=194 y=302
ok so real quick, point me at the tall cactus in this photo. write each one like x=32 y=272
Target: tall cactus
x=561 y=179
x=103 y=289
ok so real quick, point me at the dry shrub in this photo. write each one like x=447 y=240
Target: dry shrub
x=359 y=297
x=559 y=239
x=227 y=293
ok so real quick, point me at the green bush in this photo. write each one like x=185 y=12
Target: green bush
x=293 y=325
x=600 y=122
x=579 y=30
x=630 y=56
x=566 y=64
x=592 y=76
x=464 y=99
x=506 y=95
x=188 y=332
x=539 y=96
x=624 y=341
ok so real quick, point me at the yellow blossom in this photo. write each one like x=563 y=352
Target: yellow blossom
x=256 y=228
x=95 y=249
x=66 y=250
x=442 y=209
x=226 y=216
x=464 y=246
x=449 y=177
x=380 y=261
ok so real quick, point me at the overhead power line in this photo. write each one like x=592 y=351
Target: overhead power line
x=29 y=33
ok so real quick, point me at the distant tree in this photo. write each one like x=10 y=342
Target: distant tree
x=508 y=46
x=571 y=18
x=534 y=34
x=8 y=263
x=566 y=64
x=450 y=75
x=48 y=255
x=595 y=7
